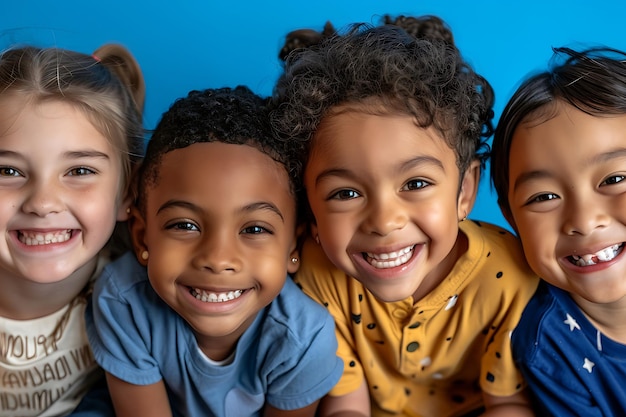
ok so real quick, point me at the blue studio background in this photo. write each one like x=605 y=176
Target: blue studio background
x=195 y=44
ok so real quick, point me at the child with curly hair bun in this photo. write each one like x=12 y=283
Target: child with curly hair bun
x=392 y=133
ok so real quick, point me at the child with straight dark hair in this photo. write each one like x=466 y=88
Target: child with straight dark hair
x=559 y=167
x=392 y=131
x=204 y=320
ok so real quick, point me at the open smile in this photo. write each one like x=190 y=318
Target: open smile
x=215 y=297
x=32 y=238
x=604 y=255
x=389 y=259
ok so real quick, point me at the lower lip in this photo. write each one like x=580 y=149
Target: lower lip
x=50 y=247
x=594 y=268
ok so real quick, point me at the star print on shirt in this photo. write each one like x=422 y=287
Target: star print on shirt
x=571 y=321
x=588 y=365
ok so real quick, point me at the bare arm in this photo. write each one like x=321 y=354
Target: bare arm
x=138 y=400
x=516 y=405
x=354 y=404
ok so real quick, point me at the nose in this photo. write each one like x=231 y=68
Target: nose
x=385 y=215
x=218 y=252
x=584 y=215
x=43 y=198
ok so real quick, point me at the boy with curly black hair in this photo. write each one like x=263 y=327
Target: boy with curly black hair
x=204 y=320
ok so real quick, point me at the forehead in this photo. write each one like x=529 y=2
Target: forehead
x=49 y=123
x=366 y=133
x=214 y=172
x=568 y=141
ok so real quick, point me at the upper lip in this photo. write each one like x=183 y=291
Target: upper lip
x=384 y=250
x=390 y=254
x=590 y=250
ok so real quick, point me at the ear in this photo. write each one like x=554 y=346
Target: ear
x=506 y=212
x=314 y=231
x=137 y=227
x=123 y=209
x=292 y=267
x=468 y=190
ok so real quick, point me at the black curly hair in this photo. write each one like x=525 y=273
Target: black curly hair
x=227 y=115
x=426 y=78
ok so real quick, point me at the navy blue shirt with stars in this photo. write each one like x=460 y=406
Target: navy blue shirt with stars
x=571 y=368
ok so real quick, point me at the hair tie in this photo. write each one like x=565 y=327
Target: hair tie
x=95 y=57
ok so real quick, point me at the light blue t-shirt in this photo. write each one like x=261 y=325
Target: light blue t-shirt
x=571 y=368
x=287 y=357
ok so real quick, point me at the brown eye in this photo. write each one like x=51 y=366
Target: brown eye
x=81 y=171
x=9 y=172
x=416 y=185
x=345 y=195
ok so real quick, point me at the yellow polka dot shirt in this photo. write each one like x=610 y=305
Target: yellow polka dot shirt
x=431 y=358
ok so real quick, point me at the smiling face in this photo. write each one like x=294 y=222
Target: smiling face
x=59 y=191
x=219 y=227
x=386 y=202
x=567 y=192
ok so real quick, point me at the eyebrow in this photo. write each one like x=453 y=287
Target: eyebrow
x=404 y=166
x=261 y=205
x=68 y=155
x=541 y=174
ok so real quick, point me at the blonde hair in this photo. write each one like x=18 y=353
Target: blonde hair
x=107 y=86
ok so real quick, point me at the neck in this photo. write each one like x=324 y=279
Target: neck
x=21 y=299
x=605 y=317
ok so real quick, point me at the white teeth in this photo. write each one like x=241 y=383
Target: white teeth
x=34 y=238
x=212 y=297
x=391 y=259
x=603 y=255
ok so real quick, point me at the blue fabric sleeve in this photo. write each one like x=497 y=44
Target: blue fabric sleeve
x=118 y=333
x=308 y=370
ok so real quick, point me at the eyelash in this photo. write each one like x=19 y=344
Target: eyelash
x=343 y=195
x=185 y=226
x=423 y=183
x=616 y=180
x=75 y=172
x=189 y=226
x=9 y=172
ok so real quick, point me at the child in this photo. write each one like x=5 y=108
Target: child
x=564 y=193
x=391 y=137
x=204 y=321
x=70 y=133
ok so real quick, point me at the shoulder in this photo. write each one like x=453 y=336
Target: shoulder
x=317 y=270
x=541 y=308
x=491 y=235
x=498 y=247
x=295 y=309
x=123 y=276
